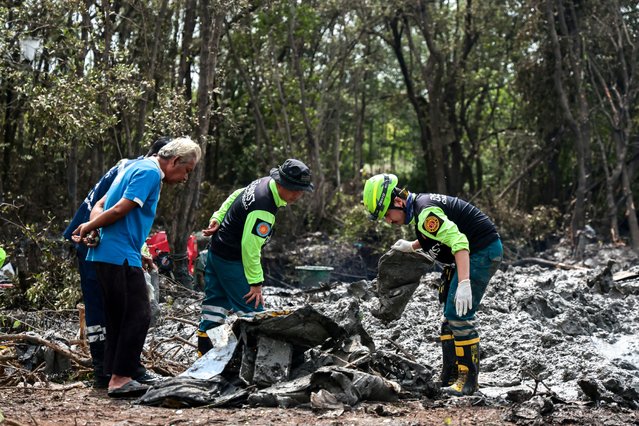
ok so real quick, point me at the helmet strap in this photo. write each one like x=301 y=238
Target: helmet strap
x=401 y=193
x=408 y=207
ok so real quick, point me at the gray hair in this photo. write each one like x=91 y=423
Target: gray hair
x=184 y=148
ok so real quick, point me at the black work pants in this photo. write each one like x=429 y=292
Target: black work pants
x=128 y=315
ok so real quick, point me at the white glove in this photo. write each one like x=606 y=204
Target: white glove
x=404 y=246
x=463 y=298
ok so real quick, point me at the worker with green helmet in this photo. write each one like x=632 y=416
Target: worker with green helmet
x=461 y=238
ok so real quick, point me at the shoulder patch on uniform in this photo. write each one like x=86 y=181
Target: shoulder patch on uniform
x=262 y=228
x=432 y=223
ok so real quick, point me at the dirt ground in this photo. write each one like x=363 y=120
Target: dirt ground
x=76 y=404
x=575 y=332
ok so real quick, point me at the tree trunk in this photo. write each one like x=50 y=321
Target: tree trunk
x=262 y=131
x=149 y=74
x=287 y=136
x=358 y=142
x=7 y=137
x=186 y=58
x=313 y=147
x=182 y=225
x=631 y=211
x=578 y=120
x=9 y=131
x=617 y=94
x=611 y=206
x=437 y=131
x=337 y=147
x=420 y=105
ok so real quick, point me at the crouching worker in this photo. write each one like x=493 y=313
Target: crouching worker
x=125 y=216
x=233 y=275
x=452 y=232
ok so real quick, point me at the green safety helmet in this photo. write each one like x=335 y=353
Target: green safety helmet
x=3 y=256
x=378 y=194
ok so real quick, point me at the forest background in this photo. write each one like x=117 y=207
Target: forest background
x=526 y=108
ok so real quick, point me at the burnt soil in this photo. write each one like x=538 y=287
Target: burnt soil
x=85 y=406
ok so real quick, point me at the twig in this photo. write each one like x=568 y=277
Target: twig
x=538 y=380
x=354 y=363
x=402 y=350
x=183 y=340
x=181 y=287
x=86 y=362
x=9 y=422
x=544 y=262
x=185 y=321
x=24 y=322
x=4 y=358
x=281 y=282
x=348 y=275
x=47 y=388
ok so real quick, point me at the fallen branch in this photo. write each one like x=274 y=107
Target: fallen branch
x=544 y=262
x=86 y=362
x=402 y=350
x=9 y=422
x=287 y=285
x=349 y=275
x=538 y=381
x=183 y=340
x=183 y=320
x=357 y=361
x=55 y=387
x=624 y=275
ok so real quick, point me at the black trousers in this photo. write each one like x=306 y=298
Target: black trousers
x=128 y=315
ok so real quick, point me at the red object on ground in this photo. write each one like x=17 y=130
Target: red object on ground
x=158 y=243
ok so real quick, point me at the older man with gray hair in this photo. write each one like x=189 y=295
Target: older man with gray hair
x=125 y=216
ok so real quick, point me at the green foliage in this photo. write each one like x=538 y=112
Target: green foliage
x=172 y=115
x=377 y=236
x=211 y=198
x=69 y=106
x=528 y=229
x=97 y=92
x=51 y=279
x=10 y=325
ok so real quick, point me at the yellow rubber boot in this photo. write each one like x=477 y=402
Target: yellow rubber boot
x=467 y=368
x=449 y=359
x=204 y=343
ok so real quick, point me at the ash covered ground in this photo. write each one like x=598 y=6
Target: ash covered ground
x=573 y=333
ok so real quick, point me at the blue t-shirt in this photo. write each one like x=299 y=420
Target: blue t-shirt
x=84 y=211
x=122 y=240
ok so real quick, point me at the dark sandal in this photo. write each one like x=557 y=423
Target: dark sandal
x=128 y=390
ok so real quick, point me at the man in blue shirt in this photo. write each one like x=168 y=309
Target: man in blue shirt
x=125 y=216
x=91 y=292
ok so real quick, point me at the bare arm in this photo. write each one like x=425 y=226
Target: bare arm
x=115 y=213
x=462 y=260
x=98 y=208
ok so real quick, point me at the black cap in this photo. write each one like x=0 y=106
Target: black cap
x=158 y=145
x=293 y=175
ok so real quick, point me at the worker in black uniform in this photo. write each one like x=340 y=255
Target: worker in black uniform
x=451 y=232
x=239 y=229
